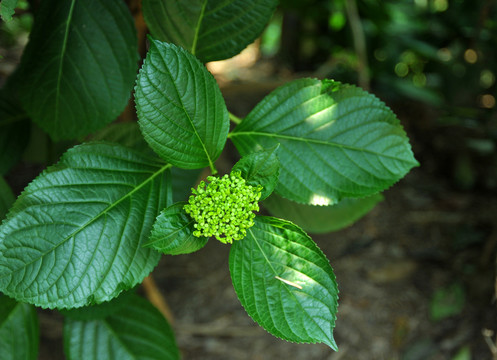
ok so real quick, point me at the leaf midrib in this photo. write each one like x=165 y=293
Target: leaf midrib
x=171 y=234
x=285 y=286
x=182 y=105
x=313 y=141
x=93 y=219
x=197 y=28
x=61 y=62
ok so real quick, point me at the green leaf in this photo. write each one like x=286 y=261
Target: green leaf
x=75 y=235
x=322 y=219
x=136 y=331
x=19 y=332
x=260 y=168
x=209 y=29
x=181 y=110
x=78 y=68
x=173 y=232
x=284 y=282
x=447 y=301
x=129 y=135
x=336 y=141
x=7 y=198
x=14 y=132
x=7 y=9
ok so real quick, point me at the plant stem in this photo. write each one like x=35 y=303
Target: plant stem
x=155 y=297
x=213 y=169
x=359 y=43
x=234 y=119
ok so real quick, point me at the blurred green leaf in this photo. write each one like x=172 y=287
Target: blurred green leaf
x=14 y=131
x=19 y=331
x=463 y=354
x=209 y=29
x=447 y=301
x=322 y=219
x=7 y=9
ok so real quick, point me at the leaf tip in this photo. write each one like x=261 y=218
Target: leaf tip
x=331 y=343
x=328 y=85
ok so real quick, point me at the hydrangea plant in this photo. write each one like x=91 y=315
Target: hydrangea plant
x=95 y=224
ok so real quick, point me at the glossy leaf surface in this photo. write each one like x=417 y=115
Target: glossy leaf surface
x=136 y=330
x=260 y=168
x=75 y=235
x=78 y=68
x=173 y=232
x=336 y=141
x=181 y=111
x=284 y=282
x=209 y=29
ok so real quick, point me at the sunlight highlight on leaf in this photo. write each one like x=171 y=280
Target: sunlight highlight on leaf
x=320 y=200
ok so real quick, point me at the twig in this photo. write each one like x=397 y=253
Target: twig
x=154 y=295
x=487 y=335
x=359 y=43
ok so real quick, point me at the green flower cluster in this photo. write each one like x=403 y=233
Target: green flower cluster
x=224 y=207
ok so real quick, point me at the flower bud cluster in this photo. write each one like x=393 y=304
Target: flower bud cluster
x=224 y=207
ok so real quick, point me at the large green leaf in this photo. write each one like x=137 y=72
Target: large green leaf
x=14 y=132
x=336 y=141
x=6 y=197
x=173 y=232
x=284 y=282
x=78 y=68
x=19 y=332
x=180 y=108
x=209 y=29
x=75 y=235
x=322 y=219
x=136 y=331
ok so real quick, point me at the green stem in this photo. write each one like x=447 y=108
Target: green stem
x=234 y=119
x=359 y=43
x=213 y=169
x=197 y=28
